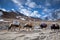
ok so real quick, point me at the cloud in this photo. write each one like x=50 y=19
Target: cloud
x=40 y=6
x=12 y=9
x=19 y=3
x=47 y=3
x=52 y=14
x=30 y=13
x=46 y=10
x=48 y=14
x=45 y=17
x=31 y=4
x=35 y=14
x=57 y=10
x=57 y=13
x=3 y=9
x=28 y=3
x=25 y=12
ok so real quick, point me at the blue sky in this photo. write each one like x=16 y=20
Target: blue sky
x=34 y=8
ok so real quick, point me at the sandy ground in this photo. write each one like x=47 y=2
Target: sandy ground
x=40 y=34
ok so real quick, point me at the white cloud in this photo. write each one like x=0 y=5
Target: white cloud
x=31 y=4
x=57 y=12
x=35 y=14
x=40 y=6
x=30 y=13
x=48 y=4
x=18 y=3
x=15 y=1
x=25 y=12
x=13 y=10
x=43 y=13
x=3 y=9
x=45 y=16
x=46 y=10
x=29 y=8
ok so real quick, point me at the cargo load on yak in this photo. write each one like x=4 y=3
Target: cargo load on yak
x=15 y=22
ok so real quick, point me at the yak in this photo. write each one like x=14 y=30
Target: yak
x=43 y=25
x=28 y=26
x=14 y=25
x=55 y=26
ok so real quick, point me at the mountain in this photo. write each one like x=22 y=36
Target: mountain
x=10 y=14
x=16 y=14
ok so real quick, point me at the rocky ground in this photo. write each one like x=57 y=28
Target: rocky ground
x=41 y=34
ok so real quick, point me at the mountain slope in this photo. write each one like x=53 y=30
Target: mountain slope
x=15 y=14
x=10 y=14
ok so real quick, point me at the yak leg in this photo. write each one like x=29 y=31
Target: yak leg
x=26 y=28
x=9 y=28
x=13 y=28
x=19 y=28
x=30 y=29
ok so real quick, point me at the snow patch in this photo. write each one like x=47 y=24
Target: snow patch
x=22 y=18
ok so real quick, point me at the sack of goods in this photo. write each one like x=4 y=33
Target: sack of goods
x=15 y=22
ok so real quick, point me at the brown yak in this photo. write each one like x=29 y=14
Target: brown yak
x=14 y=25
x=28 y=26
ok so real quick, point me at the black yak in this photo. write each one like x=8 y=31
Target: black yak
x=43 y=25
x=55 y=26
